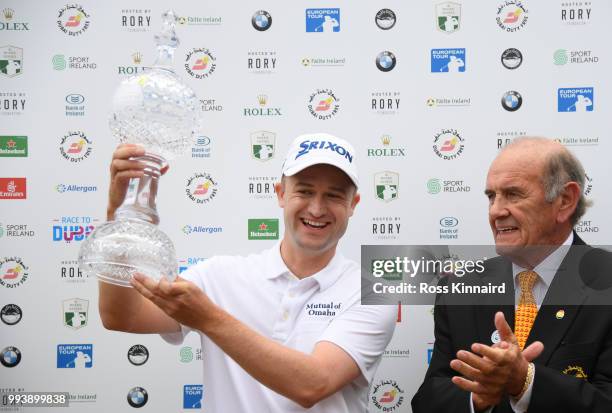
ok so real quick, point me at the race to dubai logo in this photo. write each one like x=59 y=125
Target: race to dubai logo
x=200 y=63
x=448 y=144
x=11 y=61
x=73 y=20
x=75 y=146
x=75 y=311
x=511 y=15
x=13 y=272
x=387 y=395
x=448 y=16
x=386 y=185
x=262 y=145
x=201 y=188
x=323 y=104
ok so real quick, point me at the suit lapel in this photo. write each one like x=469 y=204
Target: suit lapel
x=500 y=271
x=560 y=306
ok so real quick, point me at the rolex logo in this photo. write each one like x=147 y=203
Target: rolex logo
x=8 y=14
x=137 y=58
x=386 y=140
x=262 y=99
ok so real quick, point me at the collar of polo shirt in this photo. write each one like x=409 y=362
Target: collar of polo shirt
x=325 y=278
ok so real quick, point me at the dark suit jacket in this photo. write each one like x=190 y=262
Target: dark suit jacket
x=578 y=344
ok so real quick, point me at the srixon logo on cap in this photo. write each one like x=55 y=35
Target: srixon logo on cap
x=309 y=145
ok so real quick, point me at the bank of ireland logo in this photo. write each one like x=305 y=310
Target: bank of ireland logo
x=385 y=61
x=560 y=57
x=201 y=188
x=387 y=395
x=192 y=396
x=575 y=99
x=511 y=58
x=73 y=20
x=137 y=397
x=448 y=60
x=261 y=20
x=386 y=185
x=323 y=104
x=434 y=186
x=74 y=356
x=10 y=356
x=448 y=16
x=262 y=145
x=448 y=144
x=59 y=62
x=11 y=61
x=13 y=272
x=75 y=312
x=385 y=19
x=75 y=146
x=200 y=63
x=138 y=355
x=511 y=101
x=11 y=314
x=322 y=20
x=511 y=15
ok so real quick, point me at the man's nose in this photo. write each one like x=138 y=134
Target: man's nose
x=317 y=206
x=497 y=208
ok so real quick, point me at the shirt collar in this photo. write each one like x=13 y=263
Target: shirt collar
x=276 y=267
x=547 y=269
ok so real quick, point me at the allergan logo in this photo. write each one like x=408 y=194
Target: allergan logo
x=75 y=146
x=263 y=228
x=13 y=272
x=200 y=63
x=73 y=20
x=13 y=146
x=201 y=188
x=11 y=61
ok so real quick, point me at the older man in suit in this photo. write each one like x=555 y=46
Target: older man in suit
x=551 y=345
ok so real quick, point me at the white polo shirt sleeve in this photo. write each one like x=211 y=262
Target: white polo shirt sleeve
x=363 y=331
x=195 y=274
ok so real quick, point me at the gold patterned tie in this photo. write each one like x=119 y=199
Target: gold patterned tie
x=527 y=309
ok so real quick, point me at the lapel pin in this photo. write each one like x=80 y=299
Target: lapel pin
x=495 y=337
x=560 y=314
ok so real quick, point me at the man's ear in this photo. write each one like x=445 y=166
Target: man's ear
x=354 y=202
x=279 y=188
x=568 y=201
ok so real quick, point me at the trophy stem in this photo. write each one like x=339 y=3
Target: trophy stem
x=139 y=200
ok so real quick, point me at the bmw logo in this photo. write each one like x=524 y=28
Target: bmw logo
x=385 y=61
x=137 y=397
x=10 y=356
x=511 y=58
x=512 y=101
x=261 y=20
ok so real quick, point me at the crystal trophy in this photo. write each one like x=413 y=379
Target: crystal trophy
x=156 y=110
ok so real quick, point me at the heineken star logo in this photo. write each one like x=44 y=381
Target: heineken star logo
x=263 y=226
x=11 y=144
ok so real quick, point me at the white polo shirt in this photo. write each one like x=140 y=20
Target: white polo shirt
x=260 y=291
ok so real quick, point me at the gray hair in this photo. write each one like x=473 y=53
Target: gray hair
x=561 y=167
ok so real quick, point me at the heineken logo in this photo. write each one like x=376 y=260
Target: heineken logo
x=262 y=228
x=13 y=146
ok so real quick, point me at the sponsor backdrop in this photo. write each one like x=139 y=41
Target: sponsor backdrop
x=427 y=92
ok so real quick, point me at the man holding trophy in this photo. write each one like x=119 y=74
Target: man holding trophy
x=286 y=326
